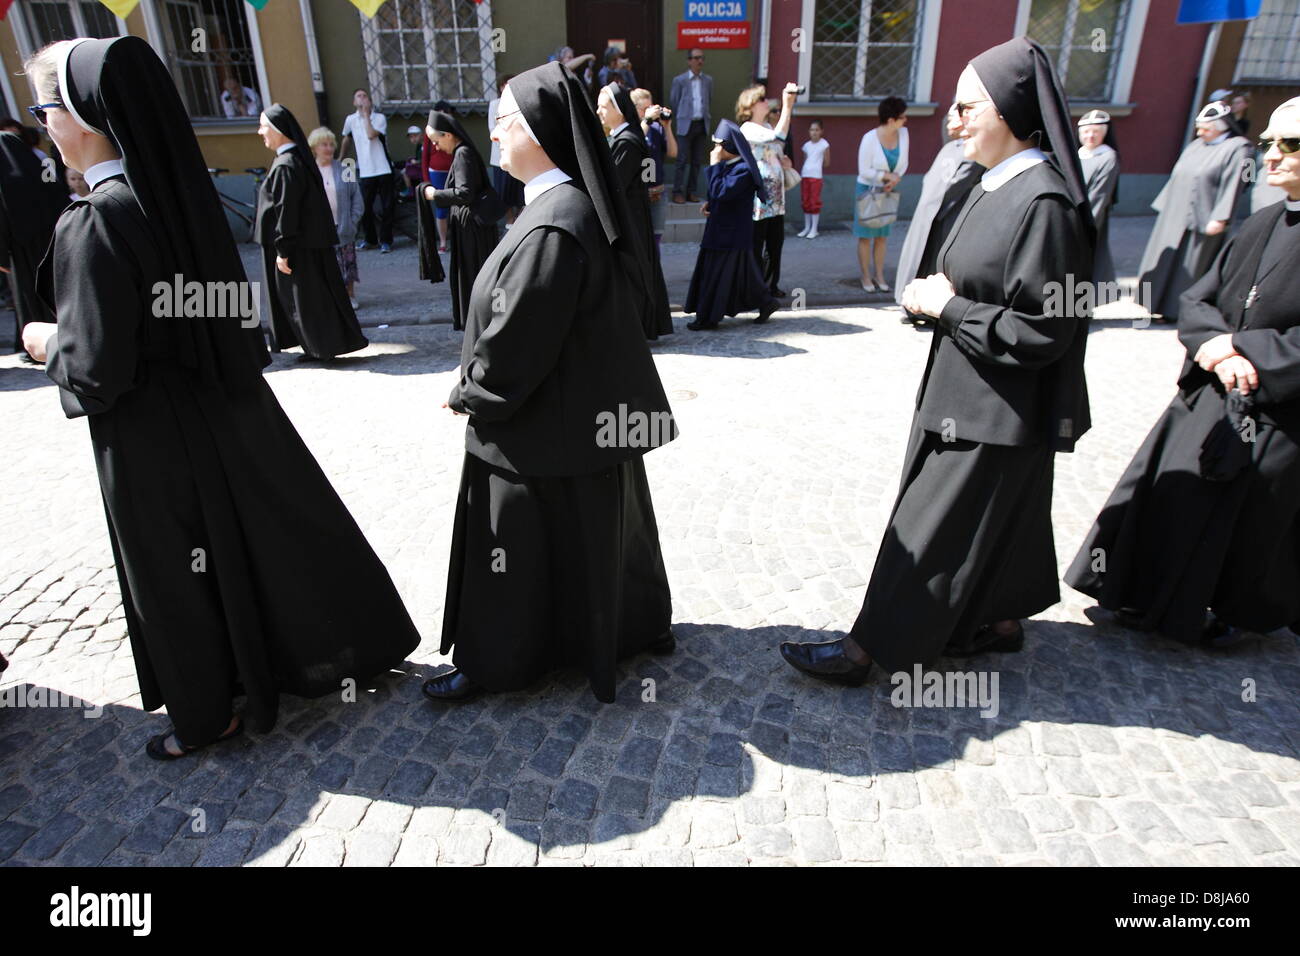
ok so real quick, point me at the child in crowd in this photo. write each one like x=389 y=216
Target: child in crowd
x=817 y=153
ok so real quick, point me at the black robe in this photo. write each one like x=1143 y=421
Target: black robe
x=310 y=306
x=630 y=154
x=555 y=553
x=969 y=541
x=29 y=208
x=727 y=280
x=1171 y=542
x=240 y=568
x=470 y=240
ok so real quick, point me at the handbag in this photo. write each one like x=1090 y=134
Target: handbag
x=877 y=208
x=791 y=178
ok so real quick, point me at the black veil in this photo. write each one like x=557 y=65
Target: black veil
x=119 y=87
x=447 y=123
x=733 y=141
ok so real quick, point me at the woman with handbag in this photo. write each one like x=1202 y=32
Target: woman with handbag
x=882 y=160
x=473 y=229
x=344 y=195
x=768 y=145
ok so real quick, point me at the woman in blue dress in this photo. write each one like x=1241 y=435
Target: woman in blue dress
x=882 y=161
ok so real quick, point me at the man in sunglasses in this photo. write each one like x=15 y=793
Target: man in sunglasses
x=689 y=100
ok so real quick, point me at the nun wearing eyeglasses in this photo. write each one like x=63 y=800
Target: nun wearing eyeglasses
x=1099 y=158
x=1195 y=206
x=1207 y=515
x=555 y=558
x=242 y=573
x=294 y=226
x=968 y=551
x=627 y=146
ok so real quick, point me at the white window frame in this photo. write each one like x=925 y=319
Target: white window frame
x=1129 y=46
x=27 y=44
x=1239 y=77
x=487 y=59
x=924 y=51
x=156 y=36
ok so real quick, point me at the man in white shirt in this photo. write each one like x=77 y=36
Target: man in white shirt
x=374 y=171
x=238 y=100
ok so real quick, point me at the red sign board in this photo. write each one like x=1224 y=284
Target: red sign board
x=712 y=35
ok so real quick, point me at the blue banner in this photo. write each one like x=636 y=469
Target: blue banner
x=1212 y=11
x=715 y=10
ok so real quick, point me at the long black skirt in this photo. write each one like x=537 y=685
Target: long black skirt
x=969 y=543
x=471 y=243
x=550 y=572
x=310 y=307
x=1171 y=544
x=240 y=568
x=725 y=282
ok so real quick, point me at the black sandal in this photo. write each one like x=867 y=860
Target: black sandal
x=157 y=746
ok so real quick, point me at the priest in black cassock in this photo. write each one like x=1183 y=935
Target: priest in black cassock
x=1195 y=208
x=29 y=208
x=295 y=228
x=1207 y=515
x=555 y=557
x=968 y=551
x=727 y=280
x=475 y=209
x=241 y=571
x=628 y=148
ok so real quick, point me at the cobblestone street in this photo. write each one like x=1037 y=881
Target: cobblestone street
x=1108 y=748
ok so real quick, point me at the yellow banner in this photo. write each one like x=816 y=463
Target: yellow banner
x=122 y=8
x=368 y=7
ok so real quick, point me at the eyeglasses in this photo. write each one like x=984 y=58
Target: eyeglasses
x=965 y=108
x=701 y=57
x=39 y=111
x=1287 y=146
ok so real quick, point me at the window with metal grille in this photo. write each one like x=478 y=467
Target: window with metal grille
x=1270 y=50
x=51 y=20
x=1083 y=37
x=226 y=51
x=421 y=51
x=864 y=49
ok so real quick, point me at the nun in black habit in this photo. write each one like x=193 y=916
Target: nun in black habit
x=727 y=280
x=555 y=555
x=968 y=551
x=295 y=228
x=29 y=208
x=241 y=570
x=628 y=148
x=472 y=223
x=1207 y=515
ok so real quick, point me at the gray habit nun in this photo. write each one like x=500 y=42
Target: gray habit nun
x=1202 y=188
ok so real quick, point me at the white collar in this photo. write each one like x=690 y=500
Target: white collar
x=1218 y=139
x=285 y=147
x=1292 y=205
x=1011 y=167
x=614 y=131
x=100 y=171
x=1101 y=150
x=544 y=181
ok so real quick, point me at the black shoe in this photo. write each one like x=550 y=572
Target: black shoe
x=665 y=644
x=698 y=326
x=453 y=685
x=1131 y=618
x=157 y=746
x=907 y=318
x=780 y=293
x=1219 y=635
x=825 y=662
x=766 y=311
x=989 y=641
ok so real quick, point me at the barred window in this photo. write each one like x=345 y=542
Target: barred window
x=864 y=49
x=421 y=51
x=1270 y=50
x=51 y=20
x=1083 y=37
x=226 y=52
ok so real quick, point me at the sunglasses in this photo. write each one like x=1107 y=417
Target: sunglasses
x=1287 y=146
x=39 y=111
